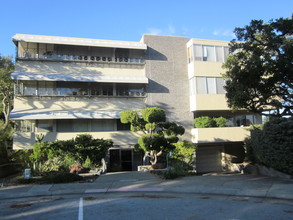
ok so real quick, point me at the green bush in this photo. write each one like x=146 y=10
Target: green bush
x=272 y=146
x=60 y=155
x=88 y=163
x=177 y=170
x=208 y=122
x=221 y=122
x=184 y=152
x=204 y=122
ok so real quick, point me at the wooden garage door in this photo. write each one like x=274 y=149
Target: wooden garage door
x=208 y=159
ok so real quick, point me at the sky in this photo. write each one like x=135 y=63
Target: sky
x=128 y=20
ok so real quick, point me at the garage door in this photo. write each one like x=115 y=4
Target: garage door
x=208 y=159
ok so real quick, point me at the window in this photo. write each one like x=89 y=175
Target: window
x=245 y=120
x=207 y=85
x=220 y=85
x=210 y=53
x=197 y=52
x=201 y=85
x=103 y=125
x=85 y=125
x=60 y=88
x=122 y=127
x=130 y=90
x=23 y=126
x=71 y=88
x=44 y=125
x=211 y=85
x=219 y=54
x=30 y=88
x=46 y=88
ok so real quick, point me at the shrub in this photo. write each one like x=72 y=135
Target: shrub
x=88 y=163
x=272 y=146
x=62 y=177
x=184 y=151
x=177 y=170
x=204 y=122
x=60 y=155
x=220 y=122
x=42 y=168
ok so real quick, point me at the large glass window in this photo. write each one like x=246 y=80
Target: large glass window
x=71 y=88
x=46 y=88
x=86 y=125
x=60 y=88
x=197 y=52
x=211 y=85
x=23 y=126
x=219 y=54
x=44 y=125
x=210 y=53
x=220 y=85
x=122 y=126
x=201 y=87
x=103 y=125
x=207 y=85
x=245 y=120
x=130 y=90
x=30 y=88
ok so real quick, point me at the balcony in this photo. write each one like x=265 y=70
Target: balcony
x=81 y=58
x=208 y=102
x=219 y=135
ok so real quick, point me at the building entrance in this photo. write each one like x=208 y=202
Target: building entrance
x=121 y=160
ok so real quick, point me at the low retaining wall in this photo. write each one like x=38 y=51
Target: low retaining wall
x=266 y=171
x=256 y=169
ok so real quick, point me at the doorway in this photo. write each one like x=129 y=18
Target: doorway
x=121 y=160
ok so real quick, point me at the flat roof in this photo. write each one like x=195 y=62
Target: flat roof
x=78 y=41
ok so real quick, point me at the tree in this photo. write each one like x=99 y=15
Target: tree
x=159 y=135
x=259 y=68
x=6 y=87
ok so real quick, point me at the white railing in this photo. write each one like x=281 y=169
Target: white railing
x=63 y=57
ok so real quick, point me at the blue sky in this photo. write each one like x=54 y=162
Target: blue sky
x=129 y=19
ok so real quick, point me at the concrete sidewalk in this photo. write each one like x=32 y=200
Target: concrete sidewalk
x=232 y=185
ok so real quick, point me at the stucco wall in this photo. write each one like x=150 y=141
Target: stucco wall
x=46 y=67
x=76 y=103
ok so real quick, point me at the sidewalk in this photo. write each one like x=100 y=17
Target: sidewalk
x=232 y=185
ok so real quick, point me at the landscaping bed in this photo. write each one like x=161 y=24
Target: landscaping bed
x=18 y=179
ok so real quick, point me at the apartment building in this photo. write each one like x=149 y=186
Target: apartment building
x=67 y=86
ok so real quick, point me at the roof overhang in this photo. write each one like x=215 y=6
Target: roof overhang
x=79 y=78
x=47 y=115
x=78 y=41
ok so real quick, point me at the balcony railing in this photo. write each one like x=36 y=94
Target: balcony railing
x=82 y=58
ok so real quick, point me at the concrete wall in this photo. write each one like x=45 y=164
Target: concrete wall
x=166 y=68
x=219 y=135
x=40 y=104
x=208 y=102
x=45 y=67
x=25 y=140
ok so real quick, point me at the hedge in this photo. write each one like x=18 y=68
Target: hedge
x=273 y=145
